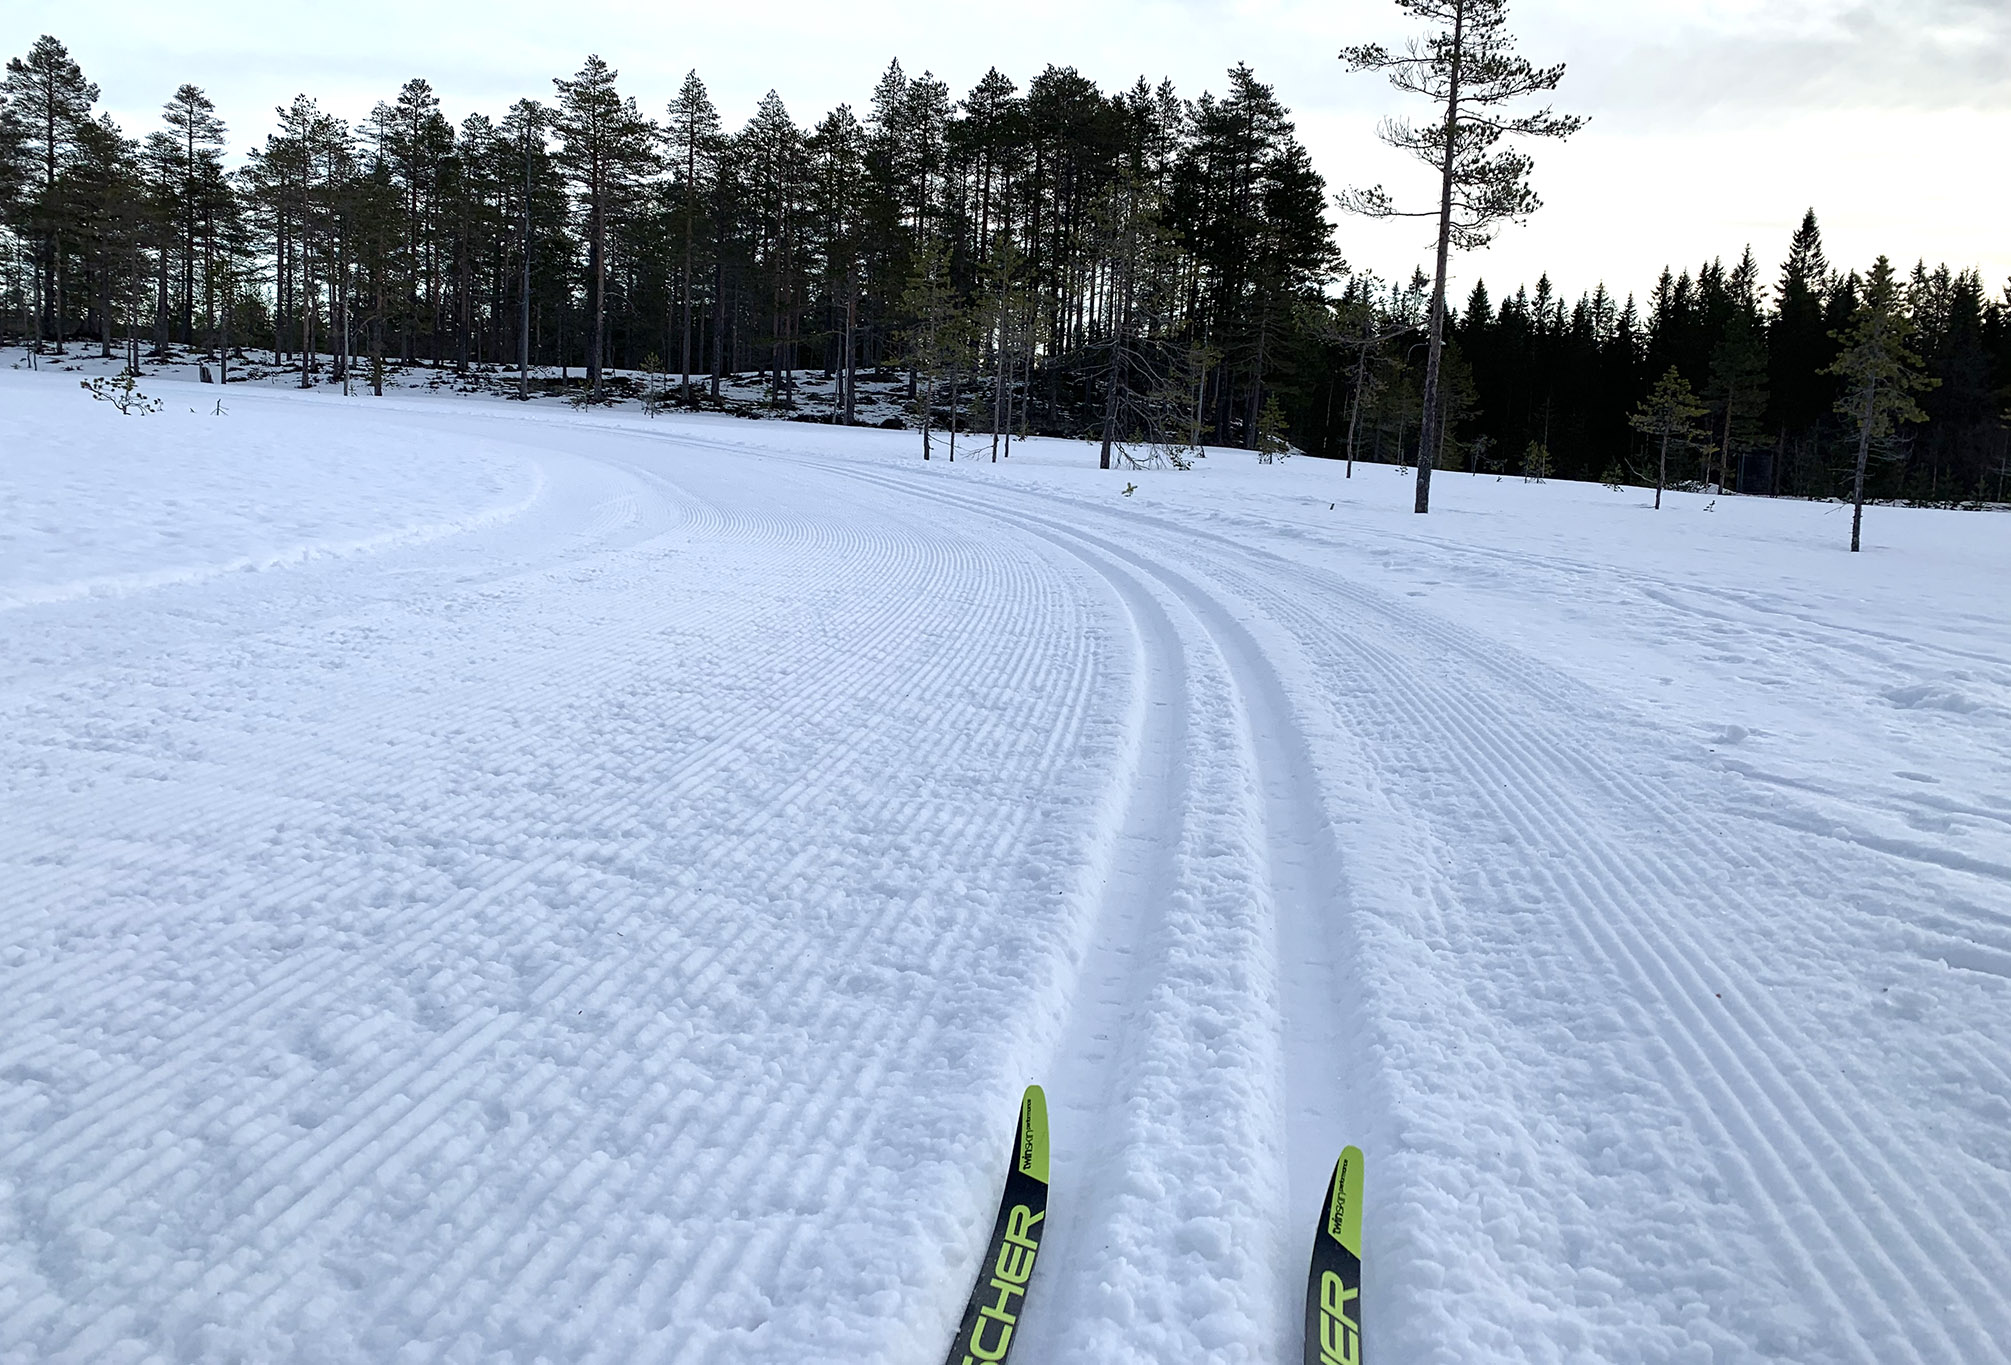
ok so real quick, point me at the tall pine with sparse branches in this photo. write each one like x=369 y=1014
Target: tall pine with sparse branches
x=1466 y=64
x=606 y=146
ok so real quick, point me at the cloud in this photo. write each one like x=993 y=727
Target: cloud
x=1802 y=55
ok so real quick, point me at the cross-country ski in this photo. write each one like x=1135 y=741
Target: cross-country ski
x=1334 y=1283
x=985 y=1335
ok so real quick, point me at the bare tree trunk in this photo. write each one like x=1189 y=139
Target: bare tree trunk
x=59 y=292
x=306 y=323
x=598 y=269
x=999 y=380
x=1863 y=458
x=223 y=348
x=686 y=383
x=718 y=324
x=1110 y=389
x=347 y=351
x=1355 y=410
x=850 y=368
x=1433 y=418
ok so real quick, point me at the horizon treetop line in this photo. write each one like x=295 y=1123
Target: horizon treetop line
x=1192 y=240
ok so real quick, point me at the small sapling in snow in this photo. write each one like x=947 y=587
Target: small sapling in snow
x=122 y=393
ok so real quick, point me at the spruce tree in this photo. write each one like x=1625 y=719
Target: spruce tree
x=1799 y=348
x=930 y=303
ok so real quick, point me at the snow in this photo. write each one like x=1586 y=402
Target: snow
x=493 y=881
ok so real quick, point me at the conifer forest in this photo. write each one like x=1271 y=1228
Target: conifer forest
x=1039 y=256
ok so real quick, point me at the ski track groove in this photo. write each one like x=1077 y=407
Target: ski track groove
x=1300 y=875
x=1255 y=887
x=1869 y=1210
x=1876 y=1247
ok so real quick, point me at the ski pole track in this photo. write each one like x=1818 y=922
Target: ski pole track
x=397 y=1141
x=1886 y=1248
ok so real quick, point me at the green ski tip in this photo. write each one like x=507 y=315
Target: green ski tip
x=1031 y=1159
x=992 y=1316
x=1334 y=1279
x=1344 y=1201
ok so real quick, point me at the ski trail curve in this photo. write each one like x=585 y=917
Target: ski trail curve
x=1886 y=1268
x=1312 y=1102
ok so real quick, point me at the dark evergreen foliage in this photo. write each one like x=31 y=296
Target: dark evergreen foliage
x=1129 y=265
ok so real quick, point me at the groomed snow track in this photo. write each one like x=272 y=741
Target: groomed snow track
x=615 y=924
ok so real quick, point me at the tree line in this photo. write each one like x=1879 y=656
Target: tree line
x=1556 y=385
x=1157 y=271
x=1029 y=253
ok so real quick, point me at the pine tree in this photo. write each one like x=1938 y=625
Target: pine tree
x=773 y=160
x=692 y=141
x=50 y=104
x=837 y=150
x=108 y=210
x=930 y=303
x=1669 y=416
x=523 y=141
x=1467 y=66
x=1881 y=375
x=197 y=138
x=606 y=145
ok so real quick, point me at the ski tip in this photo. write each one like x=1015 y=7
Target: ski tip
x=1343 y=1222
x=1030 y=1151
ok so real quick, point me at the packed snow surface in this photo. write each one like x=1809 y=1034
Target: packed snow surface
x=501 y=883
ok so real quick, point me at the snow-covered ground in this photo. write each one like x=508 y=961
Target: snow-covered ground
x=488 y=882
x=882 y=399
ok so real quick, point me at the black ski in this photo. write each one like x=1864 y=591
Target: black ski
x=1000 y=1294
x=1334 y=1285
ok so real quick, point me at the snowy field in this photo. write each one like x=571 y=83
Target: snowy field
x=882 y=400
x=492 y=883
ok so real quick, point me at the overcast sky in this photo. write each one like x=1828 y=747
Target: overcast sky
x=1715 y=123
